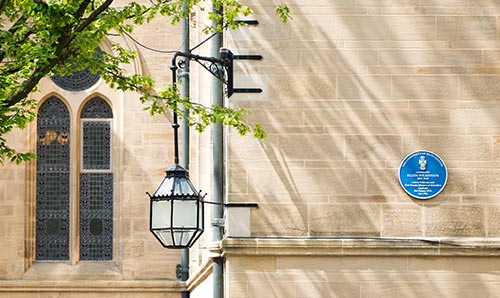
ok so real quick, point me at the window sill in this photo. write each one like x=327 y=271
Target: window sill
x=99 y=287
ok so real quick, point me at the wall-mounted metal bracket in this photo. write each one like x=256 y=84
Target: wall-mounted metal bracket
x=180 y=272
x=241 y=205
x=247 y=90
x=214 y=65
x=230 y=82
x=247 y=57
x=218 y=222
x=249 y=22
x=233 y=205
x=221 y=68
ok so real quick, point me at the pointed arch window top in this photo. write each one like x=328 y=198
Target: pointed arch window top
x=53 y=108
x=96 y=108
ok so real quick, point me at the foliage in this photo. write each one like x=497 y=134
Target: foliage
x=200 y=116
x=40 y=38
x=283 y=12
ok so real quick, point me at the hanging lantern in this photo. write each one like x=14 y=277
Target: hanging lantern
x=176 y=217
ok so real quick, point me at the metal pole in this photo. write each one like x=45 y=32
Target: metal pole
x=218 y=156
x=184 y=78
x=218 y=166
x=175 y=125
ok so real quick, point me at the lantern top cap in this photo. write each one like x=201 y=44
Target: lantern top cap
x=177 y=171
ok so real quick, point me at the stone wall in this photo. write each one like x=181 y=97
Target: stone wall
x=363 y=277
x=361 y=268
x=351 y=88
x=142 y=149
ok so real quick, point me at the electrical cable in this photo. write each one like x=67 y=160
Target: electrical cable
x=165 y=51
x=204 y=41
x=148 y=47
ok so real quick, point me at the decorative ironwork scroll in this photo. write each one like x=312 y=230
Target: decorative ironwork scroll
x=52 y=187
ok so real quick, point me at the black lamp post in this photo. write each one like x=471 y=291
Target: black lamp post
x=176 y=210
x=176 y=207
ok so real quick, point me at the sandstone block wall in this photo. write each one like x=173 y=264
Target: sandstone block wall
x=142 y=150
x=363 y=277
x=351 y=88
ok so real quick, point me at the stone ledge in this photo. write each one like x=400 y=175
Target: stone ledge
x=201 y=274
x=91 y=286
x=66 y=271
x=361 y=246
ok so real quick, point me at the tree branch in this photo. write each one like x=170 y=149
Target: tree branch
x=2 y=4
x=12 y=30
x=93 y=16
x=10 y=71
x=82 y=8
x=62 y=43
x=28 y=85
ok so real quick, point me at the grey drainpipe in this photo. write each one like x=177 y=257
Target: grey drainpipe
x=184 y=79
x=218 y=169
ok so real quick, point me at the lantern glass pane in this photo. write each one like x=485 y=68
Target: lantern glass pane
x=183 y=187
x=200 y=215
x=185 y=214
x=165 y=237
x=165 y=188
x=161 y=213
x=182 y=237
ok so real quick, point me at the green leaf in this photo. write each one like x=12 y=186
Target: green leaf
x=283 y=12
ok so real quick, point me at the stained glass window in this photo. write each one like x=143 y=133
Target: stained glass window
x=52 y=187
x=78 y=81
x=53 y=182
x=96 y=182
x=96 y=145
x=96 y=216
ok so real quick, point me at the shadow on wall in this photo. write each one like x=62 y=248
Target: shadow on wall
x=148 y=152
x=361 y=276
x=351 y=89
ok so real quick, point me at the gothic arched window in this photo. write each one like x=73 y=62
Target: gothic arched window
x=53 y=181
x=94 y=222
x=96 y=182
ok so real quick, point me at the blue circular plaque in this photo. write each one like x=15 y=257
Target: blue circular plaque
x=423 y=174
